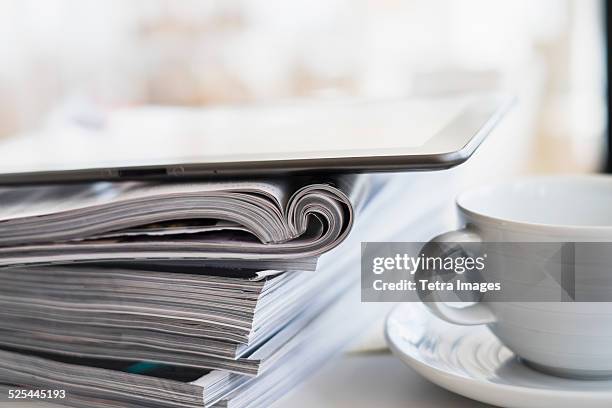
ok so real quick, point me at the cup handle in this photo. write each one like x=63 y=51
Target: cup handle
x=477 y=313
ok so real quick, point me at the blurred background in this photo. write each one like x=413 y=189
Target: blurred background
x=76 y=60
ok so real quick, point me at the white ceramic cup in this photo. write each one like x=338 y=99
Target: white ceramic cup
x=571 y=339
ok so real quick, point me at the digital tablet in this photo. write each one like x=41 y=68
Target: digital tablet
x=292 y=138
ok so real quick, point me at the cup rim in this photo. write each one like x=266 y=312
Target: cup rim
x=517 y=224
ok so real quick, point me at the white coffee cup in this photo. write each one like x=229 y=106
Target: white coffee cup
x=563 y=338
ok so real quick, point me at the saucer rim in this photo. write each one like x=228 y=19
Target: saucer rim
x=487 y=391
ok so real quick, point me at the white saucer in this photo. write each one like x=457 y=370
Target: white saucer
x=470 y=361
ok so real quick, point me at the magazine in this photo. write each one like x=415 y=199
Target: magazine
x=237 y=223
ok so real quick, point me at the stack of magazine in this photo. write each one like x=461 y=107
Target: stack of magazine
x=176 y=295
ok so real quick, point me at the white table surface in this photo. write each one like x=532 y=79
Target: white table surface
x=371 y=380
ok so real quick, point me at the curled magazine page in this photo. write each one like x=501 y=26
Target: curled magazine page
x=265 y=221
